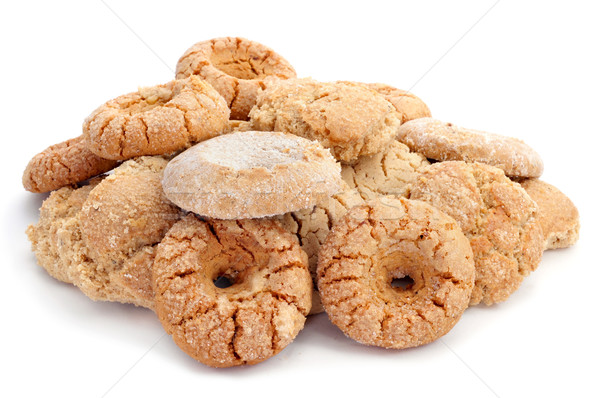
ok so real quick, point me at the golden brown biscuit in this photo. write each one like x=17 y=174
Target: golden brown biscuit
x=408 y=105
x=251 y=318
x=395 y=273
x=348 y=118
x=63 y=164
x=312 y=226
x=558 y=215
x=386 y=173
x=156 y=120
x=495 y=214
x=251 y=174
x=445 y=141
x=236 y=67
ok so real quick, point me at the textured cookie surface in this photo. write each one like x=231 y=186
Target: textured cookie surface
x=156 y=120
x=445 y=141
x=347 y=118
x=236 y=68
x=408 y=105
x=257 y=315
x=496 y=215
x=385 y=241
x=558 y=215
x=251 y=174
x=63 y=164
x=312 y=226
x=386 y=173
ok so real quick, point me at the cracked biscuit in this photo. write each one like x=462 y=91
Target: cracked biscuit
x=348 y=118
x=251 y=174
x=256 y=314
x=408 y=105
x=445 y=141
x=495 y=214
x=156 y=120
x=395 y=273
x=558 y=215
x=236 y=68
x=63 y=164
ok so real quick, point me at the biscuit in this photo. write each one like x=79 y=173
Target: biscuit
x=386 y=173
x=312 y=226
x=495 y=214
x=395 y=273
x=445 y=141
x=63 y=164
x=236 y=68
x=558 y=215
x=252 y=317
x=348 y=118
x=408 y=105
x=156 y=120
x=251 y=174
x=239 y=125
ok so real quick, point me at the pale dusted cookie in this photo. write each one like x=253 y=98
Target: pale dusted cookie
x=251 y=318
x=496 y=215
x=236 y=67
x=408 y=105
x=445 y=141
x=348 y=118
x=558 y=215
x=386 y=173
x=63 y=164
x=156 y=120
x=251 y=174
x=395 y=273
x=312 y=226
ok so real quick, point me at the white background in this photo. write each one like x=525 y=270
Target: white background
x=527 y=69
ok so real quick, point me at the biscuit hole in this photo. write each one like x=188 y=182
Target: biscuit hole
x=404 y=283
x=223 y=282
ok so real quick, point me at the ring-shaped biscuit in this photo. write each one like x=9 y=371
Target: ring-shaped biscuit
x=395 y=273
x=256 y=313
x=236 y=67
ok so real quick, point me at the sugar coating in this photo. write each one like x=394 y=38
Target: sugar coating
x=558 y=215
x=251 y=174
x=348 y=118
x=496 y=215
x=236 y=68
x=445 y=141
x=251 y=320
x=392 y=238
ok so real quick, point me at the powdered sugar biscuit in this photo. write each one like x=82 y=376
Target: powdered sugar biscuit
x=236 y=67
x=445 y=141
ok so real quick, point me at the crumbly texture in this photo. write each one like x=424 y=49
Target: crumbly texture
x=312 y=226
x=408 y=105
x=558 y=215
x=239 y=125
x=236 y=68
x=251 y=320
x=156 y=120
x=251 y=174
x=495 y=214
x=445 y=141
x=386 y=173
x=63 y=164
x=388 y=239
x=348 y=118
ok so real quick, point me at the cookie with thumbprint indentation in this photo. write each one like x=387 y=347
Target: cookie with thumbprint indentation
x=156 y=120
x=496 y=215
x=348 y=118
x=231 y=292
x=236 y=68
x=63 y=164
x=395 y=273
x=251 y=174
x=445 y=141
x=559 y=217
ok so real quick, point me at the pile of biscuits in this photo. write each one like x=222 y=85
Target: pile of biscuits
x=238 y=199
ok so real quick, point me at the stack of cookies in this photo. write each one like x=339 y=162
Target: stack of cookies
x=238 y=199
